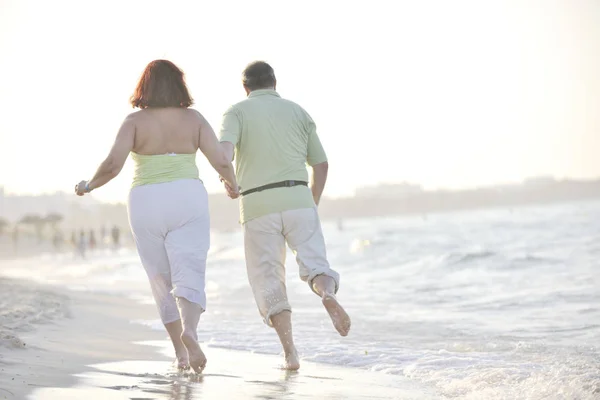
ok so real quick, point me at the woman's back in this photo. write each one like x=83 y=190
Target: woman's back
x=165 y=145
x=167 y=130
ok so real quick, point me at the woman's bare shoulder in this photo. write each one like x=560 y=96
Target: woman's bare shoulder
x=189 y=115
x=135 y=116
x=196 y=116
x=194 y=113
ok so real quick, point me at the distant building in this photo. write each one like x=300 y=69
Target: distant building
x=2 y=208
x=14 y=207
x=540 y=181
x=390 y=190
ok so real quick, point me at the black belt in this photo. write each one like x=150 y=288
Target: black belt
x=274 y=186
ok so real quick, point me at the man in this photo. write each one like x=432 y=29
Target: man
x=273 y=140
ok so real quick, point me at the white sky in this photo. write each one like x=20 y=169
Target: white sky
x=445 y=94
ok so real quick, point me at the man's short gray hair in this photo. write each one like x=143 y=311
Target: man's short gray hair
x=258 y=75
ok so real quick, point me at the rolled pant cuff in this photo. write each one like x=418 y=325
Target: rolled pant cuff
x=276 y=309
x=191 y=295
x=167 y=319
x=332 y=274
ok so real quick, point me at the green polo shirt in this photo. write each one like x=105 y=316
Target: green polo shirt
x=274 y=140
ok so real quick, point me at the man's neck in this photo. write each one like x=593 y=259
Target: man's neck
x=265 y=88
x=261 y=90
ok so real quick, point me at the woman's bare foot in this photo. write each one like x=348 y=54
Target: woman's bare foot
x=182 y=363
x=339 y=317
x=197 y=359
x=292 y=362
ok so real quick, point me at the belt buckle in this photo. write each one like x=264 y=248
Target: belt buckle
x=290 y=183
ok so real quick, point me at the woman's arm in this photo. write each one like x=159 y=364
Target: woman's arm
x=212 y=149
x=113 y=164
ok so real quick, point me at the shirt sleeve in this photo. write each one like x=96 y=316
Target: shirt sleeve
x=231 y=127
x=315 y=154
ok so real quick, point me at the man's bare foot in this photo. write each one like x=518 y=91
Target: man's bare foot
x=197 y=359
x=339 y=317
x=292 y=362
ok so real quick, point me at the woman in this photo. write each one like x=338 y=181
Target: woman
x=168 y=205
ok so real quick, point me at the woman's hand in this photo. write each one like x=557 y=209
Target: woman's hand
x=80 y=188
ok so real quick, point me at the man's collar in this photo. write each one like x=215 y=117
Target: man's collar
x=263 y=92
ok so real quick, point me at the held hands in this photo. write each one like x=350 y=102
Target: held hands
x=231 y=192
x=81 y=188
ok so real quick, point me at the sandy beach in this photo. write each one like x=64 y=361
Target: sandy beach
x=77 y=345
x=48 y=336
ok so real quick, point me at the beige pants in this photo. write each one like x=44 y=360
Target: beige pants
x=264 y=240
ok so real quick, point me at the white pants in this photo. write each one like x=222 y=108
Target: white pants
x=171 y=227
x=264 y=241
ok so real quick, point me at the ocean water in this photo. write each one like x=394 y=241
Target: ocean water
x=491 y=304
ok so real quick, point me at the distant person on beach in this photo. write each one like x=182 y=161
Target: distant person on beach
x=15 y=238
x=93 y=242
x=102 y=239
x=82 y=244
x=273 y=139
x=57 y=239
x=116 y=234
x=168 y=204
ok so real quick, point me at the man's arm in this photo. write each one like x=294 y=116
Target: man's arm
x=230 y=132
x=317 y=159
x=228 y=150
x=319 y=178
x=229 y=136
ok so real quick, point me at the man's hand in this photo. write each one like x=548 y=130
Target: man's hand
x=231 y=192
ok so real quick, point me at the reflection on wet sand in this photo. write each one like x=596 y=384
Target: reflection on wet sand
x=235 y=375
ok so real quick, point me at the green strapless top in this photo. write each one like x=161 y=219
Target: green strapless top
x=161 y=168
